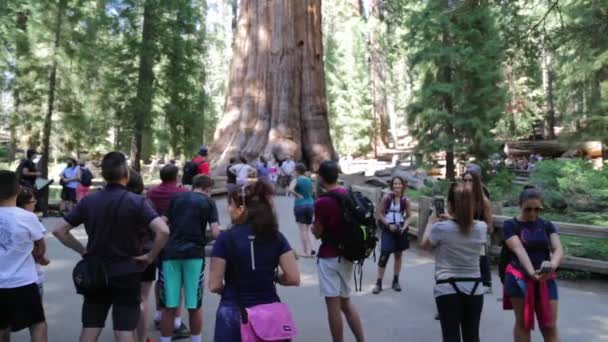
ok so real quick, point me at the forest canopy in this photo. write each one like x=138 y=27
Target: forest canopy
x=457 y=77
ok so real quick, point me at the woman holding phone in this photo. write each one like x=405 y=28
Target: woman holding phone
x=393 y=216
x=530 y=285
x=458 y=291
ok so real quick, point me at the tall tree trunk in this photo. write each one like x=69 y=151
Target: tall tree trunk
x=448 y=106
x=276 y=102
x=548 y=78
x=48 y=120
x=142 y=105
x=235 y=13
x=378 y=74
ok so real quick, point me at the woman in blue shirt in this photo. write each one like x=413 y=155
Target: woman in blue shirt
x=301 y=188
x=529 y=282
x=70 y=178
x=245 y=259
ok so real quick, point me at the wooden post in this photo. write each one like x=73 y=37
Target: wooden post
x=424 y=211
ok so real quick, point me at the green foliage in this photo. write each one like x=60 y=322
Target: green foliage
x=458 y=60
x=347 y=77
x=501 y=187
x=439 y=188
x=574 y=182
x=98 y=73
x=585 y=247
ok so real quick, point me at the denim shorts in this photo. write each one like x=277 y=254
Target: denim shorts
x=304 y=214
x=517 y=288
x=227 y=323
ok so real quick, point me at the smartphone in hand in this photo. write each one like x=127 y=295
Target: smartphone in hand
x=545 y=268
x=439 y=205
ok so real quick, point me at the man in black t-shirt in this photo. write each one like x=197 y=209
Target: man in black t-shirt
x=114 y=219
x=183 y=259
x=27 y=170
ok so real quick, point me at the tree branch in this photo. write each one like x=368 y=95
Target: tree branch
x=533 y=28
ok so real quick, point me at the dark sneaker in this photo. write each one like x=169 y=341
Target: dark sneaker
x=157 y=325
x=396 y=287
x=181 y=332
x=313 y=253
x=377 y=289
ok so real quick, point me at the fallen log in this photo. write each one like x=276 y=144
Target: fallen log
x=545 y=148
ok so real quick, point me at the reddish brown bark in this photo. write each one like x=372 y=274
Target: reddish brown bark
x=276 y=102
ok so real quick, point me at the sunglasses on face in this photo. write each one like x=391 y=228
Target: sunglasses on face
x=536 y=210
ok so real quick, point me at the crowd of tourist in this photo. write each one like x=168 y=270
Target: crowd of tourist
x=155 y=242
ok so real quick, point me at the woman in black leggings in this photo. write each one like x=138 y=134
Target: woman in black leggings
x=458 y=290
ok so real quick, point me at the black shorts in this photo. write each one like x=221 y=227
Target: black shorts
x=68 y=194
x=304 y=214
x=123 y=295
x=149 y=274
x=20 y=307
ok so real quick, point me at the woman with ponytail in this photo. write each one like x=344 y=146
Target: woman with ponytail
x=458 y=290
x=246 y=258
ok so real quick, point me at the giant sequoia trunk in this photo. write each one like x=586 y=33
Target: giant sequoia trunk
x=276 y=104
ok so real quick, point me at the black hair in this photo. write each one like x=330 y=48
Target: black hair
x=329 y=171
x=300 y=168
x=168 y=173
x=530 y=192
x=30 y=153
x=202 y=182
x=114 y=167
x=263 y=161
x=9 y=184
x=25 y=196
x=243 y=160
x=260 y=213
x=232 y=160
x=136 y=183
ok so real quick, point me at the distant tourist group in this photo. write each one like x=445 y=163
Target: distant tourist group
x=143 y=242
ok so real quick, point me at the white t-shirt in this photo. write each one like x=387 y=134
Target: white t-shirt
x=40 y=268
x=242 y=172
x=457 y=255
x=288 y=167
x=18 y=230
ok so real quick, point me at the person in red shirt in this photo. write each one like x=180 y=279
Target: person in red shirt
x=335 y=273
x=161 y=196
x=201 y=159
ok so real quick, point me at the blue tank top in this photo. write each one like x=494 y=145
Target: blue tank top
x=304 y=188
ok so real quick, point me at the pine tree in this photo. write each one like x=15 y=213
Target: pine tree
x=457 y=54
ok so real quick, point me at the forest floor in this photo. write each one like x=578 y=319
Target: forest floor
x=388 y=317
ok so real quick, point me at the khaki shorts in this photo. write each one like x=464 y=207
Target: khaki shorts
x=335 y=276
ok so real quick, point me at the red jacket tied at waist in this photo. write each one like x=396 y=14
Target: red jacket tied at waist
x=545 y=315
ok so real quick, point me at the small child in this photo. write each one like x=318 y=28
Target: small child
x=27 y=201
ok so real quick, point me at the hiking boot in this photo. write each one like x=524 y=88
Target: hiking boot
x=396 y=286
x=181 y=332
x=377 y=289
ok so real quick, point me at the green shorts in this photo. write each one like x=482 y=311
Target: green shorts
x=187 y=274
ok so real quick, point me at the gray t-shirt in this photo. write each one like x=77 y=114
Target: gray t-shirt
x=457 y=255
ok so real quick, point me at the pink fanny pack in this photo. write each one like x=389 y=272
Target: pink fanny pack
x=268 y=322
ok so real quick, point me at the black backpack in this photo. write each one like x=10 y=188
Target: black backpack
x=359 y=241
x=190 y=171
x=86 y=177
x=506 y=255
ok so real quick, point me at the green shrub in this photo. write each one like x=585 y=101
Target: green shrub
x=3 y=153
x=439 y=188
x=573 y=184
x=502 y=189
